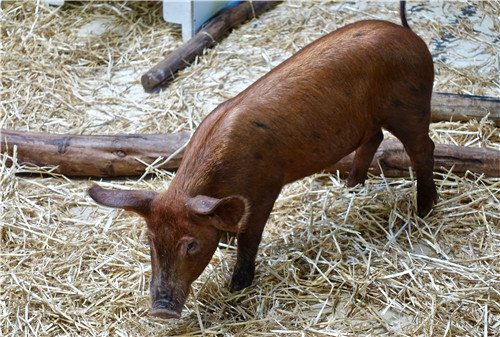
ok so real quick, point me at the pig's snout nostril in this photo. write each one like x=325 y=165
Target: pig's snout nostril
x=165 y=313
x=164 y=310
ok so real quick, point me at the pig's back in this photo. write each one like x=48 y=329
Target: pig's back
x=350 y=73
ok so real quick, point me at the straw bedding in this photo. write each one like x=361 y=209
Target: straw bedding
x=333 y=261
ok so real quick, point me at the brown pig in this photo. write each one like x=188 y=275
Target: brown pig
x=331 y=98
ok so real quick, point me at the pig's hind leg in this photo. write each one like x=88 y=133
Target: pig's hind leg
x=414 y=134
x=362 y=159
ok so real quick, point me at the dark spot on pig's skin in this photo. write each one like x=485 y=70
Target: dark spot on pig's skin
x=358 y=35
x=316 y=135
x=419 y=91
x=397 y=103
x=260 y=125
x=258 y=156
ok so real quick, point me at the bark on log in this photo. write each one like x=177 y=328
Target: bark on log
x=119 y=155
x=456 y=107
x=213 y=31
x=394 y=161
x=94 y=156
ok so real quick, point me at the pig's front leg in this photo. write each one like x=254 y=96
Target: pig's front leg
x=249 y=237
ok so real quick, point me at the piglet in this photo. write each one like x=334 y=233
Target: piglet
x=331 y=98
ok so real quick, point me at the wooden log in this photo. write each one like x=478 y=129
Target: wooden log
x=94 y=156
x=457 y=107
x=125 y=155
x=213 y=31
x=394 y=162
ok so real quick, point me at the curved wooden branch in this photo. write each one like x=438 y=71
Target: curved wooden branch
x=213 y=31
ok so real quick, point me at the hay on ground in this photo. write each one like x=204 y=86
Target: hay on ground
x=333 y=261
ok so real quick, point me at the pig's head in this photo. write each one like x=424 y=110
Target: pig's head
x=183 y=235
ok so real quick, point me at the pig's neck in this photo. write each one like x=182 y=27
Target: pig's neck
x=206 y=168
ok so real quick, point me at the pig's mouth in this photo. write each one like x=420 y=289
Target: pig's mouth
x=165 y=310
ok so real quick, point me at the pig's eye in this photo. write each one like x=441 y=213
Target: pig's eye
x=191 y=247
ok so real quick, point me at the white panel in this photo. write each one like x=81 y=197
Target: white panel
x=191 y=14
x=54 y=2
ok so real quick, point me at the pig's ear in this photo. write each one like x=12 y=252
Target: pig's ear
x=137 y=201
x=226 y=213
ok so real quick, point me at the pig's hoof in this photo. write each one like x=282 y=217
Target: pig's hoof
x=351 y=182
x=424 y=211
x=238 y=284
x=355 y=178
x=424 y=208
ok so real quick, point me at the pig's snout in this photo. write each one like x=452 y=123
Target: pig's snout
x=167 y=301
x=165 y=310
